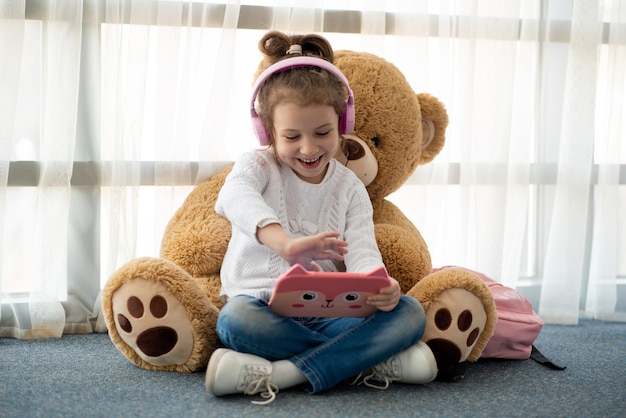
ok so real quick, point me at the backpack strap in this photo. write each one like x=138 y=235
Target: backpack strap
x=536 y=355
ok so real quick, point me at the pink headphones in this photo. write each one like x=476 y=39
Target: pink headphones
x=346 y=123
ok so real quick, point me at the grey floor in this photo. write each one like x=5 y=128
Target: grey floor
x=85 y=376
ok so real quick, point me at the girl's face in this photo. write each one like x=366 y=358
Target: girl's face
x=306 y=138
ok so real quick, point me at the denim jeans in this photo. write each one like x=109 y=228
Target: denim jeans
x=326 y=350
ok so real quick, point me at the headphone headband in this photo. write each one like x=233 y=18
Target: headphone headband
x=346 y=123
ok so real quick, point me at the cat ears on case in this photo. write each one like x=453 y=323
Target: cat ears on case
x=298 y=269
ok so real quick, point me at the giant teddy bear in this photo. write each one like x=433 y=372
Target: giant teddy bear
x=161 y=312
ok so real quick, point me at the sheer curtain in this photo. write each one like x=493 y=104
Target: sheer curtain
x=530 y=186
x=608 y=225
x=39 y=81
x=111 y=110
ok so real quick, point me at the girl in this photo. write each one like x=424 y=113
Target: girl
x=289 y=203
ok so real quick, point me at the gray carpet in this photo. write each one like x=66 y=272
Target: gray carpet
x=85 y=376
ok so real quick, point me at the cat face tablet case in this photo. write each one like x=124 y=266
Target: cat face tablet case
x=302 y=293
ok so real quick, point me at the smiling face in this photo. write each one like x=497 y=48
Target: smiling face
x=306 y=138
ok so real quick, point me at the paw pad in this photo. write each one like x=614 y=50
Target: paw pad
x=454 y=323
x=152 y=322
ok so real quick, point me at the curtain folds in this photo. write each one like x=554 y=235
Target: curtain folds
x=608 y=238
x=564 y=269
x=43 y=82
x=111 y=110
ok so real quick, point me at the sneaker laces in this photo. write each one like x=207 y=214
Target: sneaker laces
x=258 y=381
x=385 y=373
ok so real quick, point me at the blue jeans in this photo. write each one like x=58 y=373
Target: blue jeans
x=327 y=350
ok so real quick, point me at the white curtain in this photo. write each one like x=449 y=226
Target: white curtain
x=530 y=188
x=39 y=81
x=111 y=110
x=608 y=220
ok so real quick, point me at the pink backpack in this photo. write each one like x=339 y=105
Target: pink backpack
x=517 y=327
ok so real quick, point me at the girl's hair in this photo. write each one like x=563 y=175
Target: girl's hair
x=300 y=85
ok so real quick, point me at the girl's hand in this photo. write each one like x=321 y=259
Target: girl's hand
x=304 y=250
x=322 y=246
x=387 y=298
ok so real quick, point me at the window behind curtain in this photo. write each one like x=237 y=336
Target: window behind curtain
x=162 y=99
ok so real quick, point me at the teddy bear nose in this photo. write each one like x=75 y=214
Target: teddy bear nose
x=353 y=150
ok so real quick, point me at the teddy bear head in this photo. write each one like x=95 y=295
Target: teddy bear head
x=395 y=129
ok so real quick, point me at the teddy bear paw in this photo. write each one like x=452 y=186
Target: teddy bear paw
x=152 y=322
x=455 y=321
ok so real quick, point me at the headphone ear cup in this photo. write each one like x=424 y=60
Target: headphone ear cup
x=346 y=124
x=260 y=130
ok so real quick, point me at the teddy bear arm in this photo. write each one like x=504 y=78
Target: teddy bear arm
x=386 y=212
x=404 y=254
x=196 y=238
x=401 y=245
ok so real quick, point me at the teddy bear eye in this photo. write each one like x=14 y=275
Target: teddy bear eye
x=376 y=141
x=309 y=296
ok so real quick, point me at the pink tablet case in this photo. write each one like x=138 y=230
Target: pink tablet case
x=300 y=293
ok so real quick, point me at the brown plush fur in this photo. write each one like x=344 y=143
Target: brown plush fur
x=196 y=238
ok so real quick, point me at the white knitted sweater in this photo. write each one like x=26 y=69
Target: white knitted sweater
x=260 y=190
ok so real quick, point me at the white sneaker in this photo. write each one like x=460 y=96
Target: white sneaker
x=415 y=365
x=232 y=372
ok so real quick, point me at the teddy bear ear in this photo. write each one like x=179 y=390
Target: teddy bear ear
x=434 y=124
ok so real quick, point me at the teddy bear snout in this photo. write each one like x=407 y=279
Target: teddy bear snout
x=358 y=157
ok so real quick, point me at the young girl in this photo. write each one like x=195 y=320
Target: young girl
x=290 y=203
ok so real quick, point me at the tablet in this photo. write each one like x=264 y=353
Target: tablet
x=303 y=293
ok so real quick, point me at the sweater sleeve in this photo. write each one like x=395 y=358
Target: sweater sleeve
x=363 y=254
x=241 y=197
